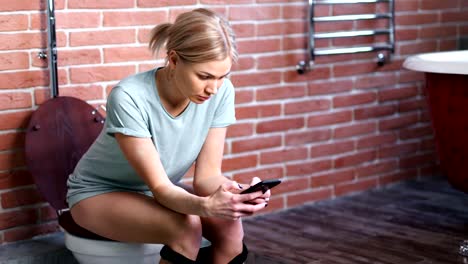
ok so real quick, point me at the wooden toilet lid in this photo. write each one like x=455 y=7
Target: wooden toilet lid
x=60 y=131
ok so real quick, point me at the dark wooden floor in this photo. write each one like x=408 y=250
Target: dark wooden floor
x=417 y=222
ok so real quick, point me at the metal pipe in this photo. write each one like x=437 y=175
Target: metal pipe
x=331 y=2
x=358 y=33
x=352 y=17
x=336 y=51
x=52 y=51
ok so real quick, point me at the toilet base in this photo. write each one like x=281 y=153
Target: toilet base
x=88 y=251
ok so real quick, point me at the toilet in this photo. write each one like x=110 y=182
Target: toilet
x=59 y=133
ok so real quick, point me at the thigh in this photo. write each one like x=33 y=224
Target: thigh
x=129 y=217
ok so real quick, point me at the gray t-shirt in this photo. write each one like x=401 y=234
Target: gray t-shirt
x=134 y=109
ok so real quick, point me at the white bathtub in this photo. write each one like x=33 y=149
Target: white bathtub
x=450 y=62
x=446 y=75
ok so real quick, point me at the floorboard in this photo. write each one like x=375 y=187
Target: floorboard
x=415 y=222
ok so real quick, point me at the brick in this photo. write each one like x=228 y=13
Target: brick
x=14 y=218
x=255 y=14
x=332 y=178
x=15 y=178
x=133 y=18
x=11 y=140
x=415 y=19
x=243 y=63
x=30 y=231
x=319 y=73
x=263 y=173
x=329 y=119
x=398 y=122
x=454 y=16
x=410 y=76
x=281 y=92
x=294 y=27
x=255 y=79
x=355 y=159
x=335 y=26
x=23 y=79
x=258 y=111
x=14 y=120
x=125 y=54
x=11 y=160
x=438 y=31
x=80 y=56
x=295 y=12
x=258 y=45
x=354 y=99
x=270 y=28
x=307 y=106
x=397 y=93
x=331 y=149
x=164 y=3
x=416 y=160
x=329 y=87
x=244 y=96
x=15 y=100
x=398 y=176
x=241 y=162
x=294 y=43
x=437 y=5
x=278 y=61
x=408 y=5
x=356 y=186
x=100 y=4
x=406 y=34
x=16 y=22
x=100 y=73
x=302 y=198
x=20 y=5
x=257 y=143
x=240 y=130
x=374 y=111
x=101 y=37
x=308 y=168
x=280 y=125
x=68 y=19
x=354 y=68
x=354 y=130
x=14 y=61
x=292 y=185
x=20 y=197
x=398 y=150
x=376 y=80
x=416 y=132
x=47 y=213
x=412 y=104
x=416 y=48
x=378 y=168
x=376 y=140
x=23 y=40
x=353 y=9
x=283 y=155
x=311 y=136
x=244 y=30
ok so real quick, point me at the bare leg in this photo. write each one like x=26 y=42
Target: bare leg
x=133 y=217
x=225 y=236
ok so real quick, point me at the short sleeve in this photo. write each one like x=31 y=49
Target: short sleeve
x=225 y=113
x=124 y=115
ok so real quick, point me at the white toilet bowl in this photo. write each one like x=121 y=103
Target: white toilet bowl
x=90 y=251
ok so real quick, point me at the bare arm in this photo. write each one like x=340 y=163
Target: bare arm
x=144 y=158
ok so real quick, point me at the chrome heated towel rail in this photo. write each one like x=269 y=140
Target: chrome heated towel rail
x=304 y=66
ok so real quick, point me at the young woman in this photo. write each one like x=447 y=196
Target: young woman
x=158 y=124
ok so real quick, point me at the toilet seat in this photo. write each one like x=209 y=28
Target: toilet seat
x=60 y=131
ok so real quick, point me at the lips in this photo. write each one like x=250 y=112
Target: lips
x=203 y=98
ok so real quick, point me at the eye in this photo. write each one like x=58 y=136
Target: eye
x=204 y=77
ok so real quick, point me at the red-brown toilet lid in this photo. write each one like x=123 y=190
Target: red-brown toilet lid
x=60 y=131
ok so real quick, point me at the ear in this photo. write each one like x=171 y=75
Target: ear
x=172 y=58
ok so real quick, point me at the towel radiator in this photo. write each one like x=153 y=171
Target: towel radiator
x=304 y=66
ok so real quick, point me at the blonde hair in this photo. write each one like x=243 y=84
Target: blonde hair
x=197 y=36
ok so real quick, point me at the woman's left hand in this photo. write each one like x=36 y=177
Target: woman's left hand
x=262 y=199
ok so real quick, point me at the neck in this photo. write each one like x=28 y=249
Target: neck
x=171 y=98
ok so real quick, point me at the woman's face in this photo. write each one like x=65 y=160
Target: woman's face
x=199 y=81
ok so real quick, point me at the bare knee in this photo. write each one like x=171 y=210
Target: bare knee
x=187 y=234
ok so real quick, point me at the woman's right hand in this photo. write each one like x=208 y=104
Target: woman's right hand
x=226 y=203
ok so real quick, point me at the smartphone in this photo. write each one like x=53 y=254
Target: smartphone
x=262 y=186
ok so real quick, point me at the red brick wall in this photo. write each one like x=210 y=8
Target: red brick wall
x=346 y=126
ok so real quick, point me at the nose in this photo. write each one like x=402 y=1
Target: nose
x=212 y=87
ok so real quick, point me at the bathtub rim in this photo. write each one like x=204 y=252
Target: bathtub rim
x=446 y=62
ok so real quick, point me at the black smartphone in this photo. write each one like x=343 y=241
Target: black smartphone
x=262 y=186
